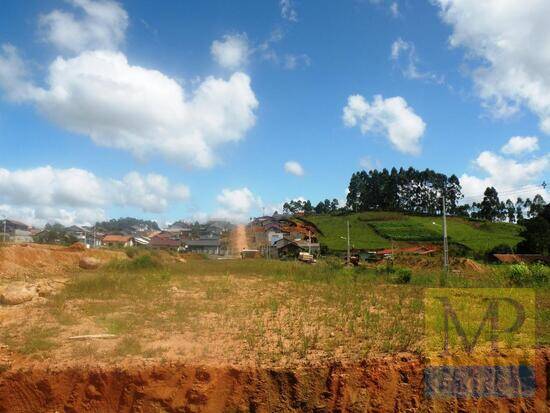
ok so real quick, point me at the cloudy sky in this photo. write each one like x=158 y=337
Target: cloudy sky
x=218 y=109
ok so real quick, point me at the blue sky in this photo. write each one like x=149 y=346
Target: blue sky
x=273 y=90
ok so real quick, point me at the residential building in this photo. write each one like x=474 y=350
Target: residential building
x=118 y=240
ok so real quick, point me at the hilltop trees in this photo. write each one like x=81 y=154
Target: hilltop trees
x=408 y=190
x=490 y=208
x=537 y=233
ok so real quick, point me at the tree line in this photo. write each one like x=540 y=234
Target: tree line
x=419 y=192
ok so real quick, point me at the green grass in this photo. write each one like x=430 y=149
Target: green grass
x=241 y=310
x=362 y=234
x=405 y=230
x=374 y=230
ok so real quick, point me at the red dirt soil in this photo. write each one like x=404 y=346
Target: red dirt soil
x=38 y=259
x=384 y=384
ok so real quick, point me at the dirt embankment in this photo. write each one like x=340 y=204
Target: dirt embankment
x=39 y=259
x=386 y=384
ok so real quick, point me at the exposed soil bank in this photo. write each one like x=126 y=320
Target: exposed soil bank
x=385 y=384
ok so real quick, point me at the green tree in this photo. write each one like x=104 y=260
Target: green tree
x=536 y=234
x=490 y=207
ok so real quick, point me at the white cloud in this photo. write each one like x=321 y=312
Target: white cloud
x=392 y=118
x=237 y=205
x=294 y=168
x=288 y=11
x=102 y=26
x=143 y=111
x=403 y=53
x=507 y=42
x=232 y=52
x=394 y=9
x=518 y=145
x=47 y=194
x=294 y=61
x=508 y=176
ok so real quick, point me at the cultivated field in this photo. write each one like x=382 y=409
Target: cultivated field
x=375 y=230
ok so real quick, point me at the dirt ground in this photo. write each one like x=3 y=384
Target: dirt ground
x=36 y=260
x=209 y=336
x=385 y=384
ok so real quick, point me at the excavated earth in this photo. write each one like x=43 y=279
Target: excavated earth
x=384 y=384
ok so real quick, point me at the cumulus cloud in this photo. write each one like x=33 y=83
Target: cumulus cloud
x=102 y=25
x=237 y=205
x=294 y=168
x=47 y=194
x=509 y=176
x=288 y=11
x=507 y=42
x=232 y=51
x=100 y=95
x=392 y=118
x=518 y=145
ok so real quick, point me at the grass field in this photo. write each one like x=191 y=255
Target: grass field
x=234 y=311
x=374 y=230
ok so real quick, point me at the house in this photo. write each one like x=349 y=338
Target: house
x=15 y=231
x=20 y=236
x=290 y=249
x=204 y=246
x=164 y=242
x=118 y=240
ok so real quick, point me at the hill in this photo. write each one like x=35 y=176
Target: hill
x=376 y=230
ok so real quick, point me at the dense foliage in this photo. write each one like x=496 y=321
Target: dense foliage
x=126 y=225
x=406 y=190
x=55 y=234
x=536 y=233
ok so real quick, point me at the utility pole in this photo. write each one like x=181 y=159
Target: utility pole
x=5 y=222
x=445 y=244
x=349 y=253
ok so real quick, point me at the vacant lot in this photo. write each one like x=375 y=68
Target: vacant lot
x=236 y=312
x=247 y=335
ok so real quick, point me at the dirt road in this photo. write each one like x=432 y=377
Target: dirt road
x=238 y=239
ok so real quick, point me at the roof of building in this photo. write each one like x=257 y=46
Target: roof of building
x=518 y=258
x=117 y=238
x=203 y=243
x=164 y=242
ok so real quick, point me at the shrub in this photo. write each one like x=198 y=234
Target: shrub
x=540 y=273
x=522 y=274
x=132 y=252
x=401 y=276
x=519 y=274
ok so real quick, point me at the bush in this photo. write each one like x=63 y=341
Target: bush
x=132 y=252
x=522 y=274
x=540 y=273
x=519 y=274
x=401 y=276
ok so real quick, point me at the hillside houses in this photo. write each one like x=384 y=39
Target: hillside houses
x=15 y=231
x=208 y=238
x=280 y=236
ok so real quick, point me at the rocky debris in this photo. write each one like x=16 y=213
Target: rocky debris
x=18 y=293
x=89 y=263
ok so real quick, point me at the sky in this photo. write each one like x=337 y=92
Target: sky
x=225 y=110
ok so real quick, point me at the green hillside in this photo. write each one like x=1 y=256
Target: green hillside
x=375 y=230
